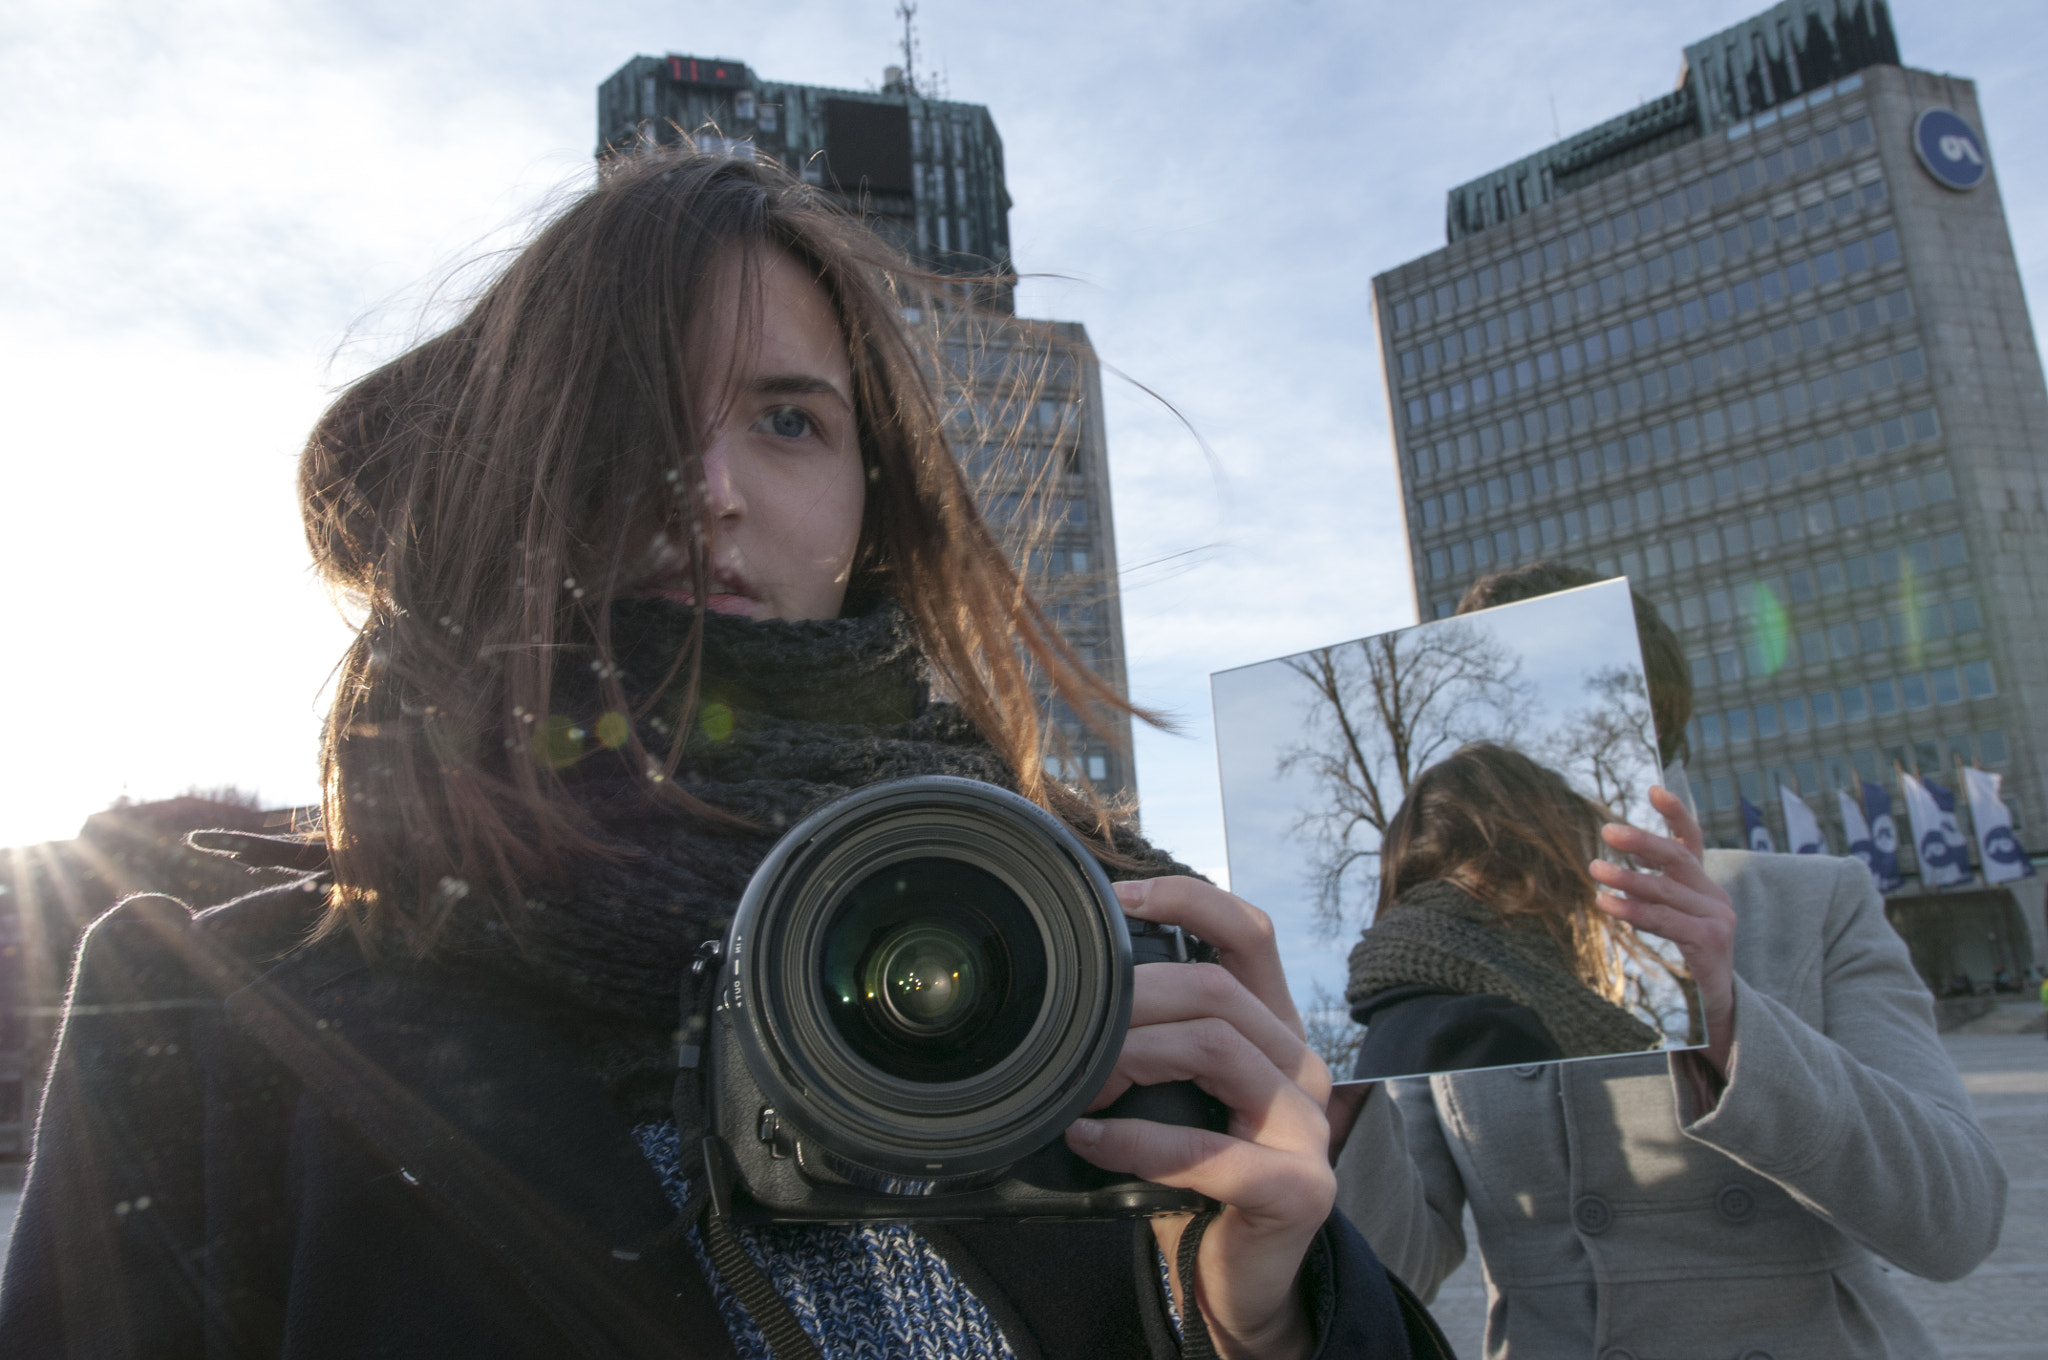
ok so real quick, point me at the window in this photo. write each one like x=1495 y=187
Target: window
x=1824 y=713
x=1991 y=747
x=1795 y=714
x=1913 y=692
x=1963 y=615
x=1738 y=724
x=1841 y=641
x=1884 y=698
x=1710 y=725
x=1766 y=721
x=1943 y=681
x=1977 y=679
x=1853 y=707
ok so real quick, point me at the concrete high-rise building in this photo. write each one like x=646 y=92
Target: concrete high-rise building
x=1760 y=345
x=1023 y=397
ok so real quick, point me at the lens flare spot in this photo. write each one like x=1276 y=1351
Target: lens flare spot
x=715 y=721
x=559 y=743
x=1909 y=612
x=612 y=730
x=1770 y=630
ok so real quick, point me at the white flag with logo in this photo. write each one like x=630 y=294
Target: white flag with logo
x=1856 y=831
x=1802 y=828
x=1943 y=860
x=2004 y=859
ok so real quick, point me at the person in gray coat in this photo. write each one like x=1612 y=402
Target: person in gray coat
x=1740 y=1200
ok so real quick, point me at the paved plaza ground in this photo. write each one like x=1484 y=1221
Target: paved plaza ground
x=1999 y=1312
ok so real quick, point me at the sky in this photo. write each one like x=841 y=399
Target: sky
x=1555 y=643
x=217 y=212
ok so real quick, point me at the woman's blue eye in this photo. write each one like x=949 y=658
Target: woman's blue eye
x=789 y=422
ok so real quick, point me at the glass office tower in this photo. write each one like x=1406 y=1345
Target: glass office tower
x=1760 y=345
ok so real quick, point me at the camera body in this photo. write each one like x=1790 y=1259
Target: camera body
x=925 y=983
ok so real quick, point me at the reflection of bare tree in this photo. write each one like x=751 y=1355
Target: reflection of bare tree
x=1383 y=709
x=1607 y=750
x=1331 y=1031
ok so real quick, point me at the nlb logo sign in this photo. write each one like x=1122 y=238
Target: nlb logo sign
x=1950 y=149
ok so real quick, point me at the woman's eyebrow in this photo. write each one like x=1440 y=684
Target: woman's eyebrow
x=794 y=385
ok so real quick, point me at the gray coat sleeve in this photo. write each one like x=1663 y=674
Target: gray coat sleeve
x=1397 y=1184
x=1861 y=1117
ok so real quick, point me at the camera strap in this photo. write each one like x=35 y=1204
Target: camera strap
x=1195 y=1341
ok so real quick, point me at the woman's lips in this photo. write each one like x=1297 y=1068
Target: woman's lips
x=719 y=603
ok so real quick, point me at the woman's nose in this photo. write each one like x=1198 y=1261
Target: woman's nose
x=722 y=499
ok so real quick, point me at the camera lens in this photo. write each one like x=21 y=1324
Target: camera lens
x=932 y=969
x=929 y=979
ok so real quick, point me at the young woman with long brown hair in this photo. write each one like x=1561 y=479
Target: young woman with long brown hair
x=657 y=549
x=1487 y=949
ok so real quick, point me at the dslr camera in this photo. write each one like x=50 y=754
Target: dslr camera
x=926 y=981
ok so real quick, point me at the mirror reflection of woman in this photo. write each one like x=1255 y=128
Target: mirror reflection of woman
x=1487 y=949
x=657 y=549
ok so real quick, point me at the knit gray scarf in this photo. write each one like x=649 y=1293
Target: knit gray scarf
x=1438 y=935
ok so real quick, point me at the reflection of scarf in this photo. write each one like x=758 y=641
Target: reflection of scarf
x=790 y=716
x=1440 y=936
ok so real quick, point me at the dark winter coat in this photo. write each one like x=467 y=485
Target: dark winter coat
x=252 y=1147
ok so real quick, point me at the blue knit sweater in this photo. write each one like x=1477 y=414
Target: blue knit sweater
x=862 y=1291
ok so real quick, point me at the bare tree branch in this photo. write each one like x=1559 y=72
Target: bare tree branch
x=1381 y=711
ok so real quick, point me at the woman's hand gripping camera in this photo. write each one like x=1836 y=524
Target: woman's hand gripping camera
x=1232 y=1029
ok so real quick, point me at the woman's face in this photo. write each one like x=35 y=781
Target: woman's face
x=783 y=482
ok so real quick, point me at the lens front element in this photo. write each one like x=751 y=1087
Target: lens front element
x=923 y=979
x=933 y=969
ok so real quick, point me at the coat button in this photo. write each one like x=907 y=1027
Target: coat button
x=1617 y=1353
x=1756 y=1355
x=1592 y=1214
x=1528 y=1069
x=1735 y=1203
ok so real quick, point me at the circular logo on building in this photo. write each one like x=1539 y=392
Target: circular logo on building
x=1950 y=149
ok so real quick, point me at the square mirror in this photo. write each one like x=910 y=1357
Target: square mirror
x=1416 y=811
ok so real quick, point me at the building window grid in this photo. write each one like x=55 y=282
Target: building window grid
x=1668 y=207
x=1594 y=347
x=1630 y=497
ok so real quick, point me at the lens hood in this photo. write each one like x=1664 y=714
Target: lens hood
x=929 y=979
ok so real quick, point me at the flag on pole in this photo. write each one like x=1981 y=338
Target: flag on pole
x=2004 y=859
x=1958 y=844
x=1884 y=836
x=1753 y=829
x=1802 y=828
x=1944 y=862
x=1856 y=831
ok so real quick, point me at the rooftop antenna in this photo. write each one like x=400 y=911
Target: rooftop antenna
x=907 y=12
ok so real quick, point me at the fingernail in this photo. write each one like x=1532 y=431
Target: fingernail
x=1132 y=893
x=1087 y=1132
